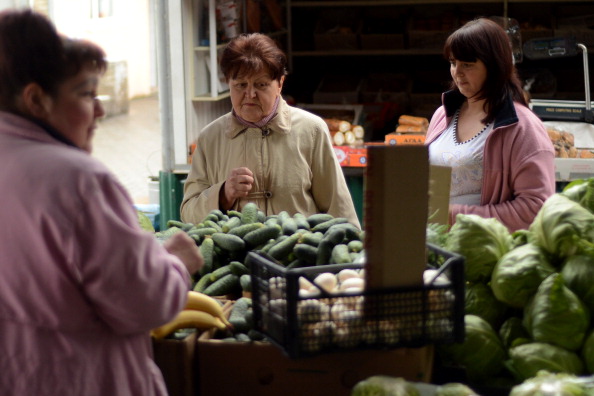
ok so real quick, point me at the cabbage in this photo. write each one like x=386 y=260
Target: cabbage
x=518 y=274
x=513 y=333
x=582 y=192
x=482 y=241
x=480 y=301
x=550 y=384
x=578 y=275
x=527 y=360
x=454 y=389
x=556 y=315
x=383 y=385
x=559 y=226
x=588 y=353
x=481 y=352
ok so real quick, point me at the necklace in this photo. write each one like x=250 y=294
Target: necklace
x=455 y=134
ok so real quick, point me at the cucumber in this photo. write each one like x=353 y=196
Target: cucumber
x=289 y=226
x=312 y=238
x=230 y=224
x=228 y=242
x=249 y=213
x=238 y=268
x=306 y=253
x=355 y=246
x=201 y=232
x=282 y=249
x=217 y=212
x=340 y=254
x=272 y=220
x=262 y=235
x=323 y=227
x=318 y=218
x=207 y=252
x=301 y=221
x=351 y=231
x=213 y=224
x=179 y=224
x=228 y=284
x=243 y=229
x=245 y=281
x=202 y=283
x=233 y=213
x=331 y=239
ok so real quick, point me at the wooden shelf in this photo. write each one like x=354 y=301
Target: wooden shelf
x=364 y=3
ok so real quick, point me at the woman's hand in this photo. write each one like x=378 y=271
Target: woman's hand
x=238 y=185
x=184 y=247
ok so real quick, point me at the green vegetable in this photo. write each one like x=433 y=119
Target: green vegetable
x=582 y=192
x=262 y=234
x=518 y=274
x=282 y=249
x=578 y=276
x=249 y=213
x=318 y=218
x=144 y=221
x=560 y=226
x=482 y=241
x=382 y=385
x=513 y=333
x=208 y=255
x=230 y=224
x=239 y=313
x=340 y=254
x=555 y=315
x=245 y=281
x=482 y=353
x=558 y=384
x=587 y=352
x=228 y=242
x=228 y=284
x=323 y=227
x=480 y=301
x=306 y=254
x=527 y=360
x=454 y=389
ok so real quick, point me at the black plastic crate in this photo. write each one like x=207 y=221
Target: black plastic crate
x=340 y=321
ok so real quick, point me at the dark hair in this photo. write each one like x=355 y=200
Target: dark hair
x=31 y=50
x=484 y=39
x=251 y=53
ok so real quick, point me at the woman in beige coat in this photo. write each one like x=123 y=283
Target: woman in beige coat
x=264 y=151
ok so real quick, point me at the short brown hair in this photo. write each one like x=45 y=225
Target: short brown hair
x=251 y=53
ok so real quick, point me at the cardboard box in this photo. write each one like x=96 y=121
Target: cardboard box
x=261 y=369
x=393 y=139
x=176 y=359
x=396 y=208
x=351 y=156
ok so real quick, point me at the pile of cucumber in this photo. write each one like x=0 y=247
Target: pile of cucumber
x=293 y=241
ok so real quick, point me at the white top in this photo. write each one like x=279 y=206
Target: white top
x=465 y=159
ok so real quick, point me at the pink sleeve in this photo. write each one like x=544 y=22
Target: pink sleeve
x=132 y=281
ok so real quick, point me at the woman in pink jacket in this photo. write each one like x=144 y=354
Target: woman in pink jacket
x=501 y=157
x=81 y=284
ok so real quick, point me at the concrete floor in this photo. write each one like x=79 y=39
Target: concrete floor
x=130 y=146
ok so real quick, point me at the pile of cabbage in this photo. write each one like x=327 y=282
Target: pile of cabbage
x=529 y=294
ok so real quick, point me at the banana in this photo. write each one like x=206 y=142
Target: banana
x=201 y=302
x=188 y=318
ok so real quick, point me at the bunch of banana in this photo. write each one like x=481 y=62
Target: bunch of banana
x=201 y=311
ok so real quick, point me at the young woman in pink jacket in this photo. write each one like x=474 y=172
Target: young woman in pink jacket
x=81 y=284
x=501 y=157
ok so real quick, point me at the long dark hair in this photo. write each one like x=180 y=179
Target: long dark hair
x=484 y=39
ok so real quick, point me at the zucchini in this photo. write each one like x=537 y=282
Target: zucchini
x=249 y=213
x=228 y=242
x=262 y=234
x=228 y=284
